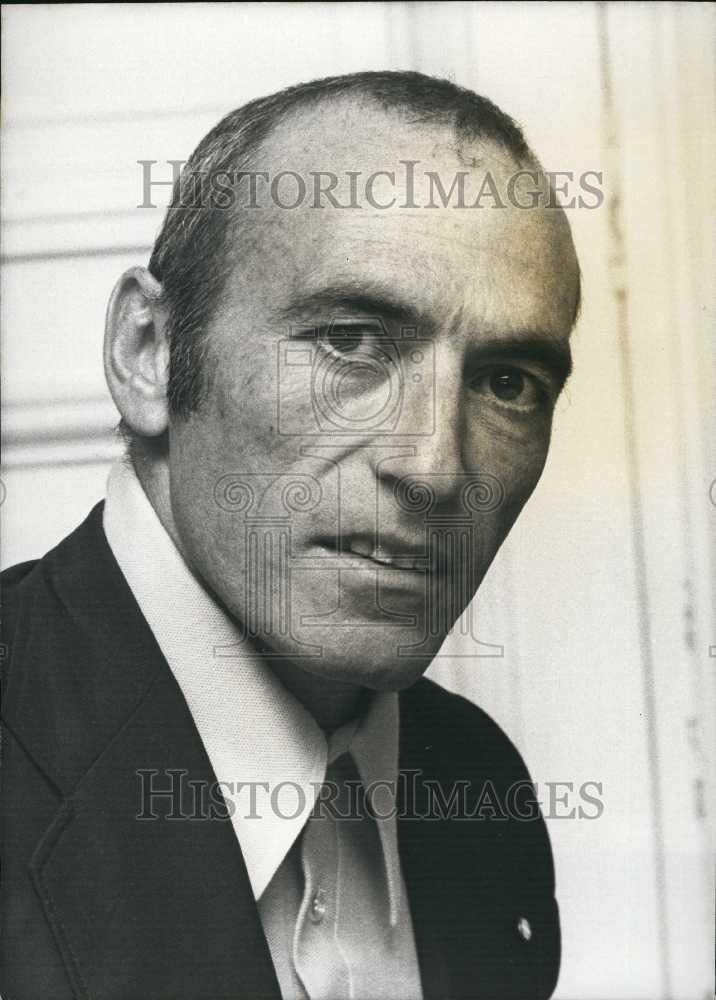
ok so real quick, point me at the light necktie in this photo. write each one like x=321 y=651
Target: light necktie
x=344 y=946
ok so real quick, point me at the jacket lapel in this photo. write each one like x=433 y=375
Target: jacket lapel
x=472 y=873
x=138 y=886
x=419 y=845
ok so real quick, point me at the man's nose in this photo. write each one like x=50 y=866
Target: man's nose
x=431 y=434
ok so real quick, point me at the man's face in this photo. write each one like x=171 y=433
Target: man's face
x=382 y=388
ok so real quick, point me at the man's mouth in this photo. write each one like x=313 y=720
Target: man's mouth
x=382 y=555
x=391 y=553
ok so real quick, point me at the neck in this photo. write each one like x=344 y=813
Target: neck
x=330 y=702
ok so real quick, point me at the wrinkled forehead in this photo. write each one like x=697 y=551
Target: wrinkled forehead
x=356 y=193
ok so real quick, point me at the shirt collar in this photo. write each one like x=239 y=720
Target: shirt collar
x=258 y=737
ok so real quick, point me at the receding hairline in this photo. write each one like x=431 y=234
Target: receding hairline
x=326 y=112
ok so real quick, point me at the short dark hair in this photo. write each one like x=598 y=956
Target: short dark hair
x=189 y=256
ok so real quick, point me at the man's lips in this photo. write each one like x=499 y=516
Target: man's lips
x=390 y=553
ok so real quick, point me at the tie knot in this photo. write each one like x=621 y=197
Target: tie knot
x=340 y=741
x=342 y=794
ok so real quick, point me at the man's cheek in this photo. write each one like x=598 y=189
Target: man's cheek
x=518 y=476
x=517 y=461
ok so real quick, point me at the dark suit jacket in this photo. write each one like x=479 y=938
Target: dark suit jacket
x=99 y=904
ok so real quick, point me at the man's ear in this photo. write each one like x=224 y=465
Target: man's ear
x=136 y=352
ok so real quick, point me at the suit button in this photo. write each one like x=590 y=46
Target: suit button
x=523 y=928
x=318 y=907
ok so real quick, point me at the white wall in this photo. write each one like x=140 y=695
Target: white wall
x=602 y=596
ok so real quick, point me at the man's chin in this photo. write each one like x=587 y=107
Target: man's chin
x=380 y=667
x=373 y=675
x=366 y=655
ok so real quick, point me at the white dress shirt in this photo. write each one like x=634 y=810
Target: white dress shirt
x=330 y=892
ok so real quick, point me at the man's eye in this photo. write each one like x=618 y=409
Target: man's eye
x=346 y=341
x=507 y=384
x=512 y=387
x=343 y=342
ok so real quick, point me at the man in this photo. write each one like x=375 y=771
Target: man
x=338 y=397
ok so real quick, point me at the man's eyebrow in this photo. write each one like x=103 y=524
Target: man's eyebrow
x=346 y=298
x=379 y=302
x=553 y=354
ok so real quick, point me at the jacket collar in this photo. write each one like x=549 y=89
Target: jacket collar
x=131 y=899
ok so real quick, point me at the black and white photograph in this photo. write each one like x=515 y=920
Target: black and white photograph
x=358 y=501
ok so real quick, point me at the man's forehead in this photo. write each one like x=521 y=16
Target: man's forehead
x=407 y=276
x=356 y=133
x=432 y=268
x=438 y=256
